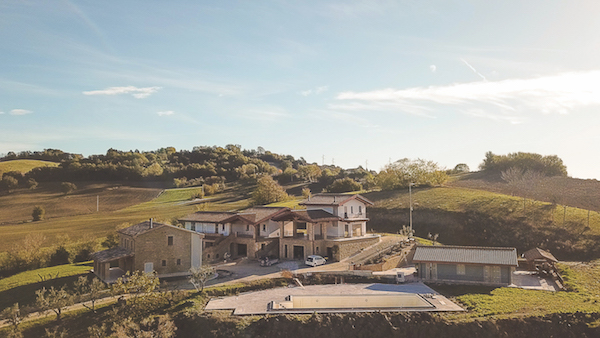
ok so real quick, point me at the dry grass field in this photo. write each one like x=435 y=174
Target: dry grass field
x=171 y=203
x=18 y=206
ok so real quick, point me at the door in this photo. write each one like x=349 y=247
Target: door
x=242 y=250
x=330 y=253
x=299 y=252
x=496 y=274
x=148 y=267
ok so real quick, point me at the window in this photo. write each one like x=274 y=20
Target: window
x=264 y=227
x=164 y=262
x=317 y=249
x=178 y=261
x=351 y=209
x=193 y=227
x=285 y=251
x=208 y=256
x=170 y=240
x=460 y=269
x=247 y=227
x=360 y=209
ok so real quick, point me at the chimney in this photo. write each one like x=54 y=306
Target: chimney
x=151 y=225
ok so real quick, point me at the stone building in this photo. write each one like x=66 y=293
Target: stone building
x=150 y=246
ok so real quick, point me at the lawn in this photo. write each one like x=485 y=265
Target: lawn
x=582 y=278
x=24 y=166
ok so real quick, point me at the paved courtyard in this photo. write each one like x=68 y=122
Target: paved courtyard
x=252 y=303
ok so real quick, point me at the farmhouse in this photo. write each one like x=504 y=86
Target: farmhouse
x=466 y=264
x=332 y=225
x=150 y=246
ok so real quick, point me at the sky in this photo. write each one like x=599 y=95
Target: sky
x=337 y=82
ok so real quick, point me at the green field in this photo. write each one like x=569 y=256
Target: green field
x=24 y=166
x=172 y=203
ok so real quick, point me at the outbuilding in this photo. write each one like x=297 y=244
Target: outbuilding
x=466 y=264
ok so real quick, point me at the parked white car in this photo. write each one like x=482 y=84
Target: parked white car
x=314 y=260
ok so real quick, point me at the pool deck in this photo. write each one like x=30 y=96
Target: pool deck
x=256 y=303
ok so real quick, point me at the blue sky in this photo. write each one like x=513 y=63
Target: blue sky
x=351 y=81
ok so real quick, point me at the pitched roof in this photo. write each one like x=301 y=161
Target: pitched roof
x=261 y=214
x=312 y=216
x=466 y=254
x=333 y=199
x=538 y=253
x=208 y=216
x=111 y=254
x=140 y=228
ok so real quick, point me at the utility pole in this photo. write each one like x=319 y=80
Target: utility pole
x=367 y=165
x=333 y=161
x=323 y=160
x=411 y=208
x=97 y=203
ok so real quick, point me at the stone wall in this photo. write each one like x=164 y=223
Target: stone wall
x=152 y=246
x=346 y=248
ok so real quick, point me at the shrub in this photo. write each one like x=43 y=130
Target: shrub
x=344 y=185
x=67 y=187
x=38 y=213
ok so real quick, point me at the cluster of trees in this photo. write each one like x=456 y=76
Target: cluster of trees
x=400 y=174
x=53 y=155
x=31 y=253
x=550 y=165
x=141 y=295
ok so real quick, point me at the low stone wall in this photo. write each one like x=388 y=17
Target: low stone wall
x=350 y=247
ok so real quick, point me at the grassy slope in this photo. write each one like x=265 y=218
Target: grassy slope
x=476 y=217
x=170 y=204
x=17 y=206
x=24 y=166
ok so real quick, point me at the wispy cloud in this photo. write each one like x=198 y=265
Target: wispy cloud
x=1 y=112
x=316 y=91
x=433 y=68
x=165 y=113
x=473 y=69
x=20 y=112
x=510 y=100
x=138 y=93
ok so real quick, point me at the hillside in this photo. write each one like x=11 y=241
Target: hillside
x=24 y=166
x=17 y=206
x=574 y=192
x=475 y=217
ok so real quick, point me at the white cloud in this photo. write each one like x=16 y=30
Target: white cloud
x=165 y=113
x=20 y=112
x=316 y=91
x=510 y=100
x=433 y=68
x=1 y=112
x=321 y=89
x=138 y=93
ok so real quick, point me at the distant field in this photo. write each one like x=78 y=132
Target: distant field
x=24 y=166
x=18 y=206
x=170 y=204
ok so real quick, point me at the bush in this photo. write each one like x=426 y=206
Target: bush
x=67 y=187
x=344 y=185
x=38 y=213
x=59 y=257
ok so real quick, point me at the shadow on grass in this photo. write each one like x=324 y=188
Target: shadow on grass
x=449 y=290
x=25 y=294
